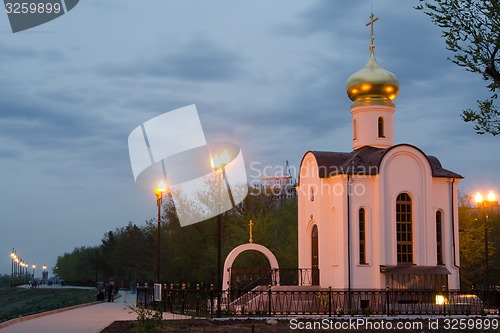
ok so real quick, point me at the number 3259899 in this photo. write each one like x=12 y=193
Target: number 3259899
x=32 y=8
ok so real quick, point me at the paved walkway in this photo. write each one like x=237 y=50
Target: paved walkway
x=87 y=319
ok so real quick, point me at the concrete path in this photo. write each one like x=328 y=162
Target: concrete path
x=87 y=319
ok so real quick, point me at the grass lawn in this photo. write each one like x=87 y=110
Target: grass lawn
x=18 y=302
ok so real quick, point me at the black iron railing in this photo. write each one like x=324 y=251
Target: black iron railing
x=268 y=301
x=272 y=276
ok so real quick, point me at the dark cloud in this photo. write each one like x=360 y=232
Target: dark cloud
x=13 y=55
x=199 y=60
x=330 y=17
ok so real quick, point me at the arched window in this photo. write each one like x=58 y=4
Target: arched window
x=354 y=130
x=381 y=127
x=404 y=229
x=362 y=236
x=439 y=238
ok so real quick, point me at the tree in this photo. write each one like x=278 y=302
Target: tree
x=471 y=243
x=472 y=254
x=494 y=238
x=129 y=257
x=472 y=31
x=80 y=266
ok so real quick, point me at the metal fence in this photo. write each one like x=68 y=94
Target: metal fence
x=267 y=301
x=242 y=278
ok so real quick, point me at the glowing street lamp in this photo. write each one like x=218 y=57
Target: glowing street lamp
x=33 y=276
x=45 y=275
x=21 y=267
x=13 y=259
x=22 y=270
x=491 y=200
x=16 y=268
x=25 y=265
x=218 y=163
x=159 y=190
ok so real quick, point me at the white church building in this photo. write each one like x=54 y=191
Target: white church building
x=384 y=215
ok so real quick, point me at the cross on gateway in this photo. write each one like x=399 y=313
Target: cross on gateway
x=373 y=19
x=251 y=225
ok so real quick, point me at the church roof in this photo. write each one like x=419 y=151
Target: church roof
x=366 y=161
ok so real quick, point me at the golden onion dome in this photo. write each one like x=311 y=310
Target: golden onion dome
x=372 y=83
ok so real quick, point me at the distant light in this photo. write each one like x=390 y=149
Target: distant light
x=161 y=187
x=440 y=300
x=491 y=196
x=221 y=160
x=478 y=197
x=215 y=161
x=225 y=158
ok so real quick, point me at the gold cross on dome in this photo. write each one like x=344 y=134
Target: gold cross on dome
x=373 y=19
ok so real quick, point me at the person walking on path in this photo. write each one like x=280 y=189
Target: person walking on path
x=110 y=292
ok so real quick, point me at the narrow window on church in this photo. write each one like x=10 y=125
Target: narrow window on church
x=362 y=236
x=312 y=194
x=439 y=238
x=404 y=229
x=354 y=130
x=381 y=127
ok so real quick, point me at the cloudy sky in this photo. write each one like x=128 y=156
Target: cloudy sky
x=267 y=75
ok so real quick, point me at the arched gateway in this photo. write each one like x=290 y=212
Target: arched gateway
x=226 y=280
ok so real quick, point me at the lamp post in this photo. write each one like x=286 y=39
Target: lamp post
x=218 y=162
x=159 y=198
x=25 y=265
x=16 y=269
x=13 y=259
x=23 y=277
x=21 y=270
x=45 y=276
x=485 y=203
x=33 y=275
